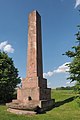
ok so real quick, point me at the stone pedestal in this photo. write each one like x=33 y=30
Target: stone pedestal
x=35 y=89
x=32 y=96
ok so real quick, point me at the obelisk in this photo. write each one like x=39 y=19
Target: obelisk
x=34 y=92
x=34 y=61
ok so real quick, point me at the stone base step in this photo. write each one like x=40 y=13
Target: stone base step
x=21 y=112
x=35 y=106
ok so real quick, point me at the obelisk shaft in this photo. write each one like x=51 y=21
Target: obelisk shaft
x=34 y=55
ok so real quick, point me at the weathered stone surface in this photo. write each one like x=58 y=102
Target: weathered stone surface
x=34 y=94
x=21 y=112
x=30 y=106
x=34 y=85
x=34 y=61
x=37 y=106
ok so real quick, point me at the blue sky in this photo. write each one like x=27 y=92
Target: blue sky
x=59 y=21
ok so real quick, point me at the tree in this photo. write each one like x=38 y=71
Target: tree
x=8 y=77
x=75 y=64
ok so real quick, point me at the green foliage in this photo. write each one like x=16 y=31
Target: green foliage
x=78 y=101
x=66 y=88
x=8 y=77
x=77 y=87
x=75 y=64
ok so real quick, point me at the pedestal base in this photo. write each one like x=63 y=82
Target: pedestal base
x=21 y=112
x=30 y=107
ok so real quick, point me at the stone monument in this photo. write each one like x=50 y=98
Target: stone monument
x=34 y=94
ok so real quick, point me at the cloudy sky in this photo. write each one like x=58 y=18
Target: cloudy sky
x=59 y=21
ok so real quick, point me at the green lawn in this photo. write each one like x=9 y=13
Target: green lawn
x=66 y=108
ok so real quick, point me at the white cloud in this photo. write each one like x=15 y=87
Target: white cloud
x=61 y=69
x=49 y=83
x=8 y=48
x=67 y=83
x=48 y=74
x=77 y=3
x=70 y=83
x=4 y=46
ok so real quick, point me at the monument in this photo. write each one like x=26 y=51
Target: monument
x=34 y=94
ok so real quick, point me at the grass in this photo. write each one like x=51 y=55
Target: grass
x=65 y=108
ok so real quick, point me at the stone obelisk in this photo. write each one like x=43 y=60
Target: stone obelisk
x=34 y=61
x=34 y=93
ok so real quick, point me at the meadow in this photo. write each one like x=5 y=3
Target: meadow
x=66 y=108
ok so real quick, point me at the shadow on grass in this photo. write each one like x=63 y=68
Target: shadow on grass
x=59 y=103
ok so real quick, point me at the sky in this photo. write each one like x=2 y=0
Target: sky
x=59 y=21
